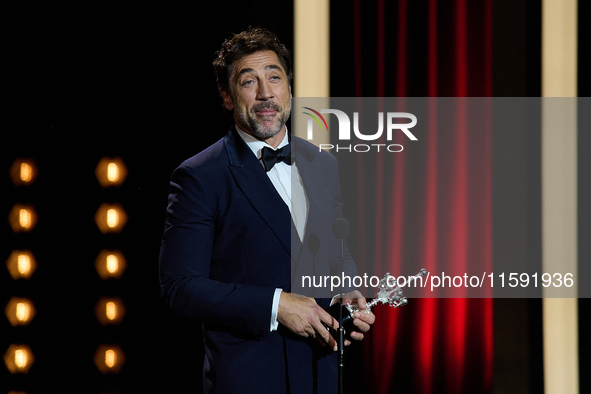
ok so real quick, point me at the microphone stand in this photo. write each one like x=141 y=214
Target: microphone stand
x=340 y=228
x=341 y=344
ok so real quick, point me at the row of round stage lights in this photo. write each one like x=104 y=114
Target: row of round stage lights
x=21 y=265
x=110 y=264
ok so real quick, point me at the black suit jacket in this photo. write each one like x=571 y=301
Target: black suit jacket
x=229 y=242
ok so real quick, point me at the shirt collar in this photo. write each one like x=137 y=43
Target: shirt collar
x=257 y=145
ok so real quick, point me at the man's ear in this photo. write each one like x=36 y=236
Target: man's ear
x=228 y=103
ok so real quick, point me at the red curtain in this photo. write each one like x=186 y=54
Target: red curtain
x=430 y=48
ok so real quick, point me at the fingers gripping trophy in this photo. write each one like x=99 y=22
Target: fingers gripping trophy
x=390 y=292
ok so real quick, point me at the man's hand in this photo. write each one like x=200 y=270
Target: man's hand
x=363 y=319
x=304 y=317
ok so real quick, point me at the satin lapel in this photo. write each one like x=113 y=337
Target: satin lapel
x=296 y=247
x=307 y=167
x=258 y=189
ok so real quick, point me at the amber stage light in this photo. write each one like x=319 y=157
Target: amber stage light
x=23 y=172
x=22 y=218
x=110 y=310
x=21 y=264
x=110 y=218
x=111 y=171
x=20 y=311
x=109 y=359
x=18 y=358
x=110 y=264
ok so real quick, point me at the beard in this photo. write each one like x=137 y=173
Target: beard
x=264 y=127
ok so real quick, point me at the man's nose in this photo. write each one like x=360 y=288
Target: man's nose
x=265 y=92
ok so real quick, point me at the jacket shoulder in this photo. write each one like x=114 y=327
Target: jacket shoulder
x=212 y=156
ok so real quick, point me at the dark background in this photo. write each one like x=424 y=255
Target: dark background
x=83 y=81
x=86 y=81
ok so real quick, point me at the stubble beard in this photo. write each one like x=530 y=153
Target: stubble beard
x=257 y=126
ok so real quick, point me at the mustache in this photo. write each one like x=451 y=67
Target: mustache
x=266 y=105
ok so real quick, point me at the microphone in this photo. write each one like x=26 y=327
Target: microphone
x=340 y=228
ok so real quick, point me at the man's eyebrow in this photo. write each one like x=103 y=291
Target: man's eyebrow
x=273 y=67
x=245 y=71
x=269 y=67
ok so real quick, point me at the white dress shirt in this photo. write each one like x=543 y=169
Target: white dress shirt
x=289 y=185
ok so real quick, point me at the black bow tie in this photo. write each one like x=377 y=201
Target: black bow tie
x=270 y=156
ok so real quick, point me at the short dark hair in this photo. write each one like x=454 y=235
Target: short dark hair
x=245 y=43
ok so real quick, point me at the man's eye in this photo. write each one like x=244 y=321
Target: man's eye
x=247 y=82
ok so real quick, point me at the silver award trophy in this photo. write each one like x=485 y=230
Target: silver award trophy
x=390 y=292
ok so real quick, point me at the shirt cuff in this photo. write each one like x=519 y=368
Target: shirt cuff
x=275 y=309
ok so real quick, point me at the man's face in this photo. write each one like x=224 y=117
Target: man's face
x=261 y=95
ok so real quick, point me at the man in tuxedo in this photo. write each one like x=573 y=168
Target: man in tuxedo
x=237 y=230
